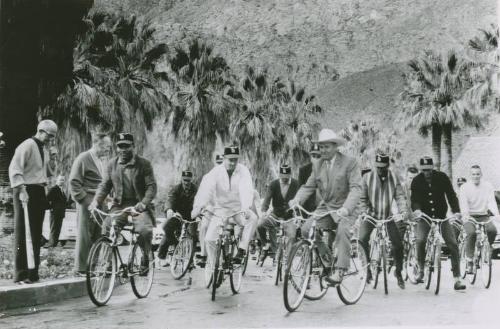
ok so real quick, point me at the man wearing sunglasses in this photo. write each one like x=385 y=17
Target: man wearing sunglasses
x=133 y=182
x=28 y=179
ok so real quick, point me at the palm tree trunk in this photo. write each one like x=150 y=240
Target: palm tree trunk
x=447 y=140
x=437 y=133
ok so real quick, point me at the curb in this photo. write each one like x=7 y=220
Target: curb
x=41 y=293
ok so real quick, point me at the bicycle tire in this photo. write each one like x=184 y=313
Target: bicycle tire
x=237 y=271
x=358 y=271
x=316 y=261
x=301 y=247
x=279 y=264
x=412 y=265
x=437 y=266
x=428 y=267
x=473 y=276
x=406 y=252
x=375 y=263
x=384 y=268
x=96 y=280
x=463 y=260
x=486 y=264
x=216 y=271
x=137 y=272
x=183 y=256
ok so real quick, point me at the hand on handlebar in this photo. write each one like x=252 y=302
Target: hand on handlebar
x=417 y=213
x=293 y=203
x=140 y=207
x=93 y=206
x=342 y=212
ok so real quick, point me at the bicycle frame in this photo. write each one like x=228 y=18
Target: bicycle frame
x=481 y=237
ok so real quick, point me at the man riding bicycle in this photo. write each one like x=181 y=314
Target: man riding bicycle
x=227 y=189
x=477 y=199
x=429 y=192
x=180 y=200
x=280 y=192
x=336 y=180
x=133 y=182
x=380 y=189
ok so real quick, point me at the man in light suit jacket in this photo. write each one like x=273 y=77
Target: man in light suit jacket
x=337 y=180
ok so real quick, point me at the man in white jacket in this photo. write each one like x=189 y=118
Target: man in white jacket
x=227 y=189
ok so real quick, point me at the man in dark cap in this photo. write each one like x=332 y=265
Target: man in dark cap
x=219 y=158
x=180 y=200
x=280 y=192
x=431 y=192
x=461 y=181
x=133 y=182
x=305 y=172
x=380 y=189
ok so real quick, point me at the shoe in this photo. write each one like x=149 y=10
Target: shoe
x=238 y=259
x=335 y=278
x=420 y=277
x=201 y=261
x=401 y=282
x=459 y=285
x=369 y=276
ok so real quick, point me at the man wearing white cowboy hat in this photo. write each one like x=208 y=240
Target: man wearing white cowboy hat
x=336 y=180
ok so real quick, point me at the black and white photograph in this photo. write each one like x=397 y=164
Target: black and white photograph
x=249 y=164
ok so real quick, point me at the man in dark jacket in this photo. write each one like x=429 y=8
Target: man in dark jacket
x=305 y=172
x=180 y=200
x=429 y=192
x=280 y=192
x=57 y=202
x=133 y=182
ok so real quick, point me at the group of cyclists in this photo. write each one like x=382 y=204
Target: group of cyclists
x=332 y=184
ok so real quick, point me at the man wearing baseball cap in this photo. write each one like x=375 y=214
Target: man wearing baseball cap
x=180 y=200
x=336 y=179
x=28 y=179
x=380 y=189
x=431 y=192
x=132 y=180
x=305 y=172
x=280 y=192
x=219 y=158
x=227 y=188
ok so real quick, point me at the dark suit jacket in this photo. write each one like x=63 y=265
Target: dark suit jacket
x=304 y=173
x=57 y=201
x=143 y=180
x=432 y=199
x=280 y=204
x=181 y=201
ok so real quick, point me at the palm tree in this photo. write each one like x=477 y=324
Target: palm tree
x=431 y=101
x=202 y=88
x=484 y=57
x=115 y=84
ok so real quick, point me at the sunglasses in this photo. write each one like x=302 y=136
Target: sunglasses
x=124 y=146
x=316 y=156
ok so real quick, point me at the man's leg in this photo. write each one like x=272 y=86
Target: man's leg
x=470 y=240
x=210 y=239
x=451 y=242
x=422 y=233
x=267 y=224
x=491 y=231
x=365 y=231
x=20 y=265
x=397 y=251
x=83 y=239
x=248 y=230
x=171 y=228
x=57 y=232
x=290 y=231
x=36 y=209
x=53 y=224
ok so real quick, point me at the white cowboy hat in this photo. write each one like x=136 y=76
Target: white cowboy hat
x=329 y=136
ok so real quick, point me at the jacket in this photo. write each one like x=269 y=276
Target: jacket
x=280 y=204
x=84 y=177
x=181 y=201
x=27 y=166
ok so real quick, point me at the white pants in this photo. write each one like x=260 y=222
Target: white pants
x=212 y=233
x=203 y=227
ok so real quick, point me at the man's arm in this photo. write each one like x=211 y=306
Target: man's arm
x=171 y=198
x=364 y=200
x=400 y=196
x=204 y=193
x=416 y=199
x=105 y=186
x=150 y=184
x=267 y=199
x=492 y=204
x=76 y=180
x=246 y=190
x=16 y=167
x=355 y=189
x=451 y=195
x=307 y=189
x=51 y=197
x=463 y=201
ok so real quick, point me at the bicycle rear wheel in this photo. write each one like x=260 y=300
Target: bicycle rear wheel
x=353 y=284
x=237 y=271
x=485 y=264
x=141 y=268
x=297 y=275
x=437 y=266
x=182 y=258
x=279 y=263
x=384 y=267
x=101 y=271
x=375 y=260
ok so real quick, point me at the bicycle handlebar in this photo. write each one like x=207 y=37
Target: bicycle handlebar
x=281 y=220
x=374 y=220
x=227 y=218
x=315 y=215
x=470 y=219
x=130 y=210
x=429 y=219
x=182 y=220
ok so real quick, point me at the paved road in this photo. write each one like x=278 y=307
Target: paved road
x=260 y=304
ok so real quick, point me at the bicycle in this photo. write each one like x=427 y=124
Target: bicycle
x=225 y=250
x=281 y=243
x=379 y=249
x=410 y=262
x=305 y=262
x=482 y=253
x=181 y=260
x=102 y=266
x=433 y=248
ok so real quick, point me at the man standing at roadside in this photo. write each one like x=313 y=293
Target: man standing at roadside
x=28 y=179
x=86 y=174
x=57 y=203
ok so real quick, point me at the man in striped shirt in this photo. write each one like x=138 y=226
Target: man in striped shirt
x=380 y=189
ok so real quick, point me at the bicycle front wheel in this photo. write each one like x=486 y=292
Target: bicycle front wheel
x=315 y=288
x=485 y=264
x=463 y=259
x=429 y=266
x=437 y=266
x=279 y=264
x=101 y=271
x=384 y=267
x=411 y=264
x=297 y=275
x=353 y=284
x=182 y=258
x=217 y=275
x=237 y=271
x=375 y=260
x=141 y=268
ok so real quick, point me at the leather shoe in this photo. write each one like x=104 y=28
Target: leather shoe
x=336 y=277
x=420 y=277
x=401 y=282
x=459 y=285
